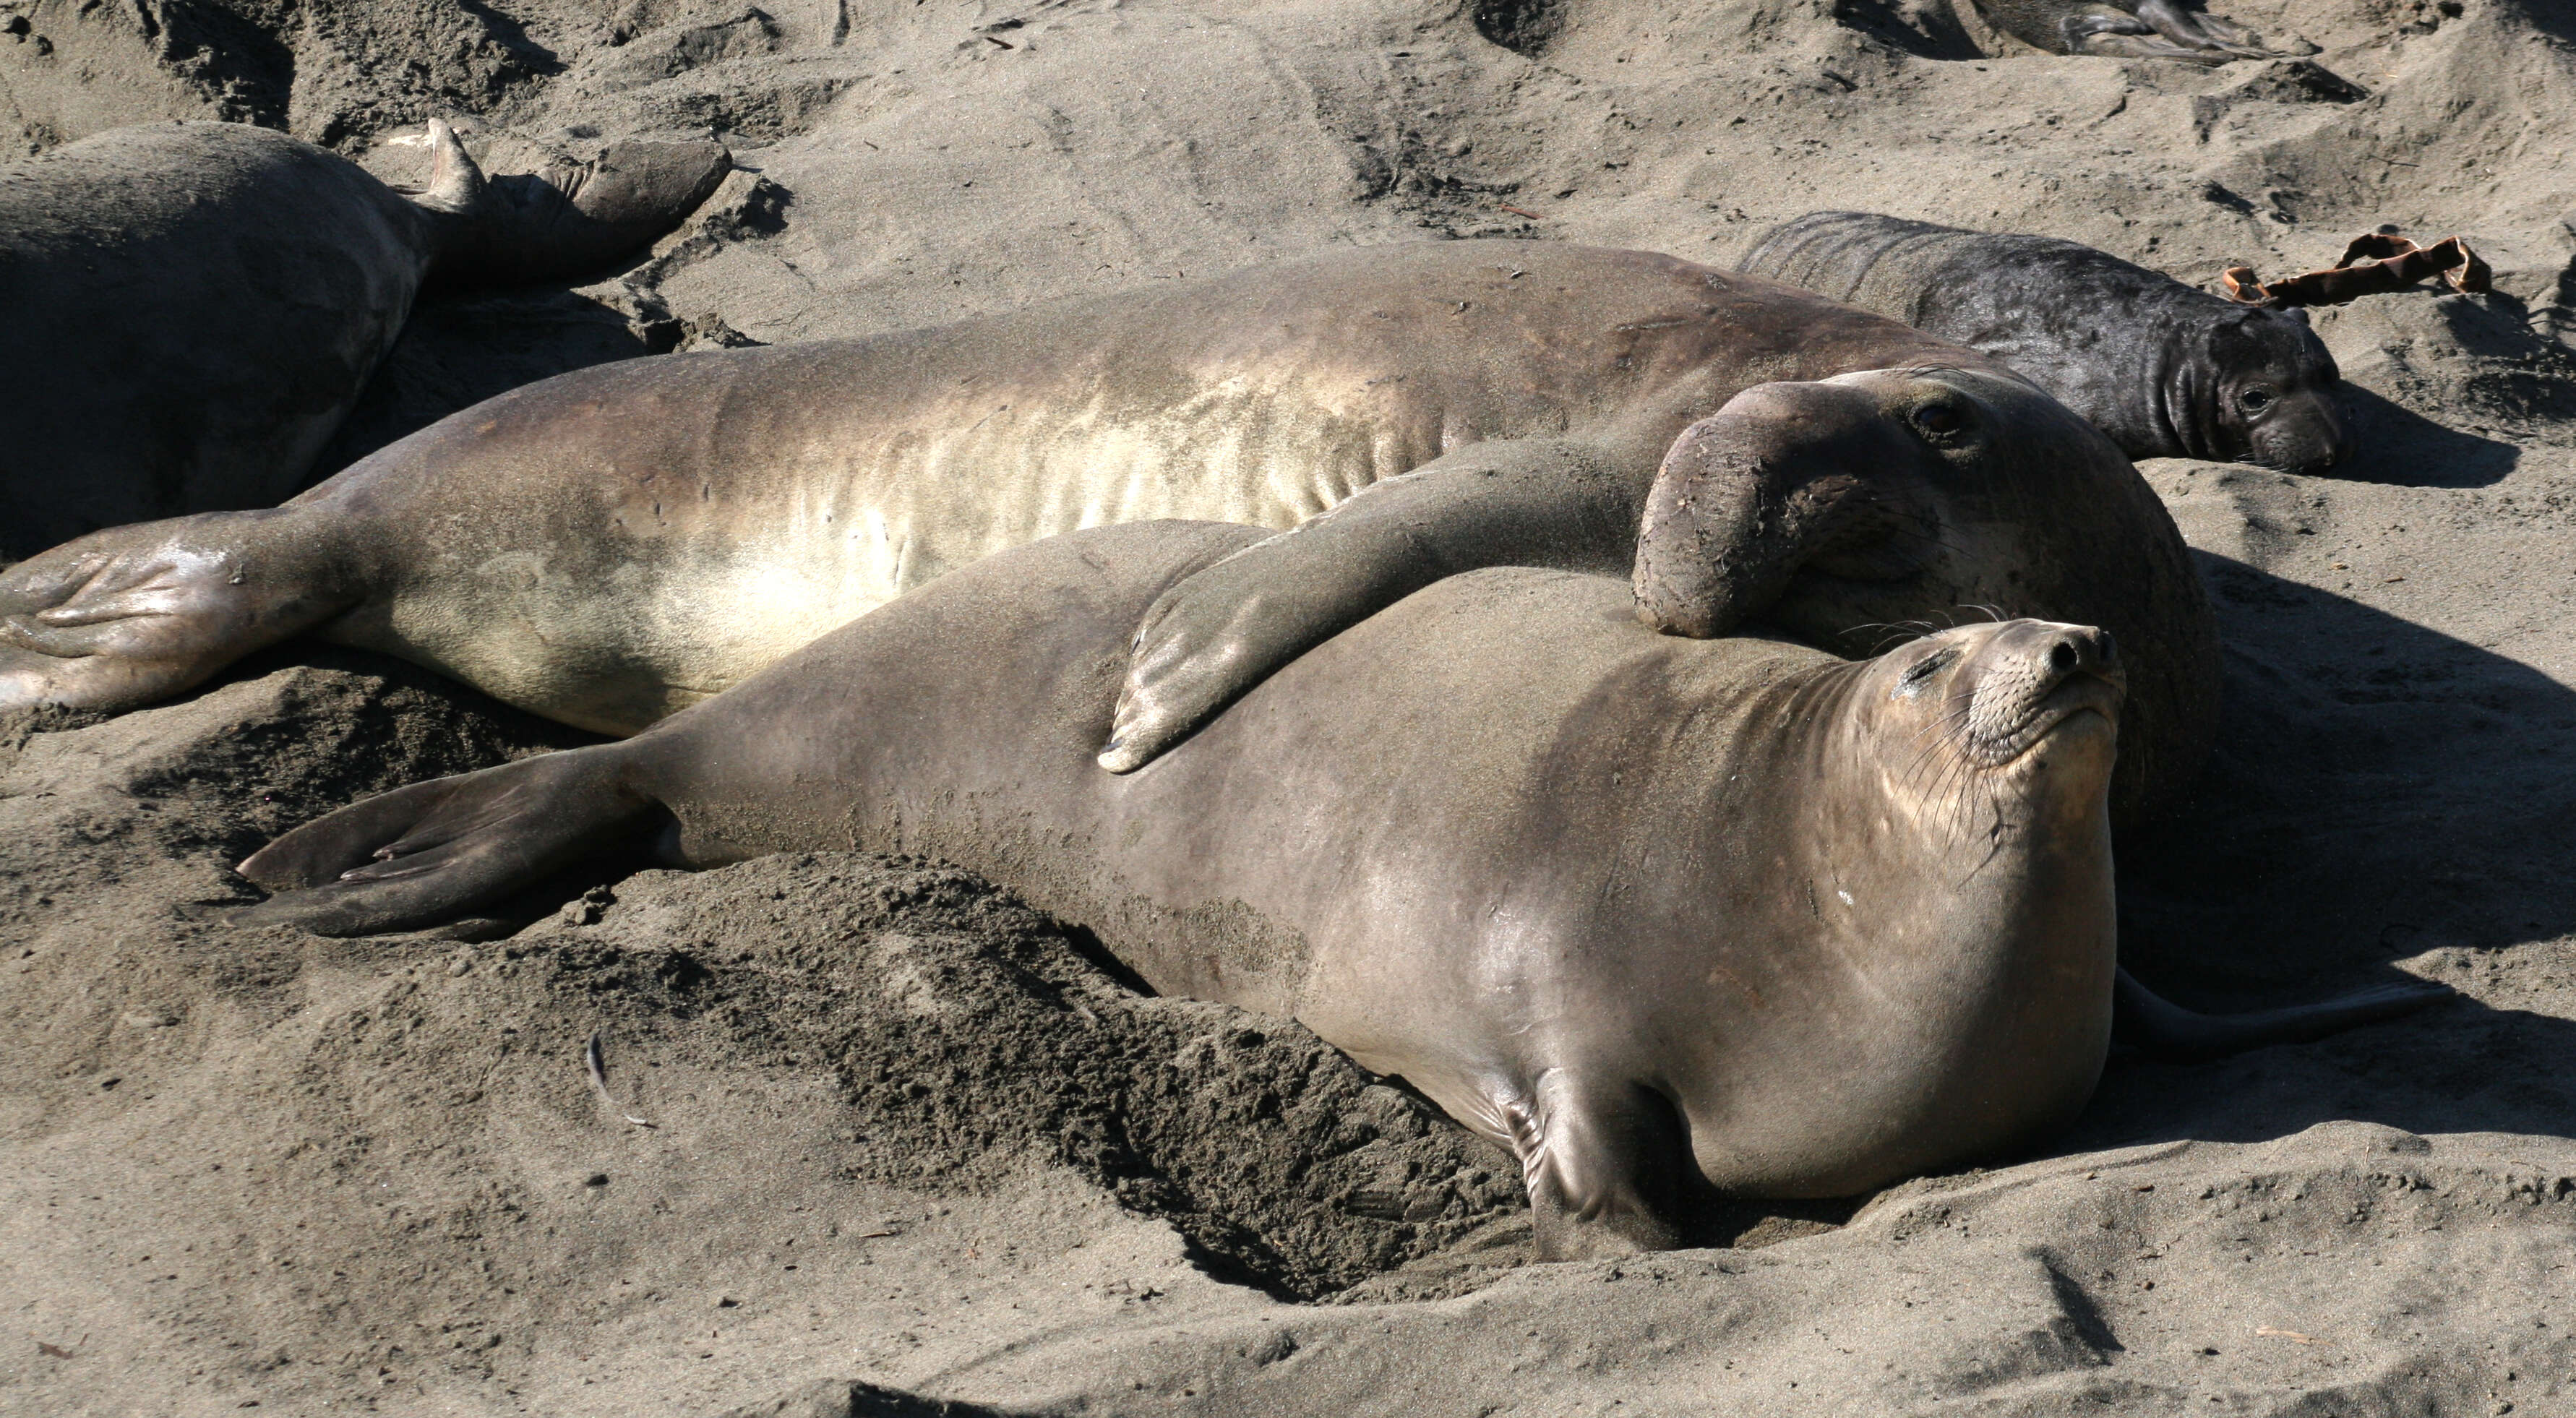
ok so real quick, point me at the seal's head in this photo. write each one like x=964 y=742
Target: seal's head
x=1851 y=512
x=2263 y=390
x=2023 y=710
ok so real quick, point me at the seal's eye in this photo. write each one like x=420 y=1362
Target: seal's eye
x=2256 y=399
x=1940 y=419
x=1921 y=671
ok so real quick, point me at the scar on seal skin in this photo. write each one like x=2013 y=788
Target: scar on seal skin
x=212 y=297
x=1668 y=918
x=2166 y=370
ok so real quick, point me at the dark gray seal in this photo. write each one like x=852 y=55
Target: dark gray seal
x=2167 y=371
x=2127 y=29
x=194 y=307
x=614 y=544
x=1665 y=917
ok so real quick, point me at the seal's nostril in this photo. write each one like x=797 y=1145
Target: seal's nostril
x=2105 y=648
x=2064 y=658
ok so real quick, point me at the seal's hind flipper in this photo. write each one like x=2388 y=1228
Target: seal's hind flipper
x=2158 y=1027
x=456 y=184
x=426 y=854
x=575 y=218
x=132 y=614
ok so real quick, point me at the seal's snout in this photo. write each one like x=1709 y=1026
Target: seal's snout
x=2031 y=678
x=2082 y=648
x=2306 y=434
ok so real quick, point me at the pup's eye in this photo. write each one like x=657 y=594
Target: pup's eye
x=1923 y=669
x=1938 y=419
x=2255 y=400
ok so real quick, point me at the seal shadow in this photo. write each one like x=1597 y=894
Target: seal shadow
x=2397 y=446
x=458 y=350
x=2381 y=792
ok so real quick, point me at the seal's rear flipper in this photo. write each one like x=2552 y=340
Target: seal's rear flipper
x=132 y=614
x=456 y=184
x=574 y=218
x=2158 y=1027
x=426 y=854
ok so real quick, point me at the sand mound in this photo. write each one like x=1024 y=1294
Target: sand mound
x=913 y=1150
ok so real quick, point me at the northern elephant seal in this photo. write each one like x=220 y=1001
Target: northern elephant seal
x=2127 y=29
x=2167 y=371
x=613 y=544
x=194 y=307
x=1660 y=915
x=1633 y=906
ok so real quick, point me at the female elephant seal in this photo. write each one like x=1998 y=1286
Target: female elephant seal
x=1660 y=915
x=613 y=544
x=2166 y=370
x=199 y=304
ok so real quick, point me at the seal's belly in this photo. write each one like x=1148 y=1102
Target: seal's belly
x=1260 y=453
x=697 y=580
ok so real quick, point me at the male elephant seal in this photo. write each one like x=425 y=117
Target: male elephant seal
x=2166 y=370
x=195 y=306
x=610 y=545
x=1660 y=915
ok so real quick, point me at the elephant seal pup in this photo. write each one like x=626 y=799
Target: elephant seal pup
x=1660 y=915
x=613 y=544
x=2166 y=370
x=199 y=304
x=2126 y=29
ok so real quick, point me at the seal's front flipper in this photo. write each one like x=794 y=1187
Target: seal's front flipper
x=1232 y=625
x=426 y=854
x=1605 y=1166
x=2162 y=1029
x=130 y=615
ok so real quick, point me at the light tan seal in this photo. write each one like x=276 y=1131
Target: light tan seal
x=1665 y=917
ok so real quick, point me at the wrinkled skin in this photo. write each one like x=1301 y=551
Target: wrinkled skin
x=2167 y=371
x=1665 y=917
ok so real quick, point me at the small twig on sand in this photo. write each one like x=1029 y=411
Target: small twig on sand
x=1519 y=212
x=599 y=1081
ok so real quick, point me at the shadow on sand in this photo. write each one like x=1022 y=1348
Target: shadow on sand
x=2381 y=791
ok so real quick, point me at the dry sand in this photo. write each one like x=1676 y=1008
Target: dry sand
x=904 y=1137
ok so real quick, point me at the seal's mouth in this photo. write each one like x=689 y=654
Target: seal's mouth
x=2083 y=701
x=2033 y=681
